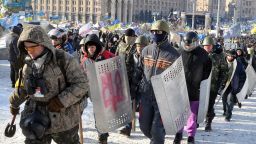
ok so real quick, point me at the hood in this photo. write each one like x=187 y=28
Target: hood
x=17 y=30
x=93 y=38
x=34 y=34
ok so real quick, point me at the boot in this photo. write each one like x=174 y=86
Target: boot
x=125 y=131
x=103 y=138
x=239 y=105
x=191 y=140
x=178 y=138
x=208 y=127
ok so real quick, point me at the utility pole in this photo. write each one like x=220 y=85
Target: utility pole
x=218 y=20
x=34 y=10
x=193 y=14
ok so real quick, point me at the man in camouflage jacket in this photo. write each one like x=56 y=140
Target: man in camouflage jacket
x=219 y=76
x=53 y=91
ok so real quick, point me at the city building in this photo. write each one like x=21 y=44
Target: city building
x=156 y=8
x=85 y=10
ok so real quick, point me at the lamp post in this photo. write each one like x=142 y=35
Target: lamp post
x=235 y=14
x=218 y=20
x=193 y=14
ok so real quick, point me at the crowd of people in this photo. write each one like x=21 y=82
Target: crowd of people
x=49 y=75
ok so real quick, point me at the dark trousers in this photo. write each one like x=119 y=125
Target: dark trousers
x=67 y=137
x=150 y=121
x=229 y=100
x=210 y=113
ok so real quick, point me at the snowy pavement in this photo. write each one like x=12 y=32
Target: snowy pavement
x=241 y=129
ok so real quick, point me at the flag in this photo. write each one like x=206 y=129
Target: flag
x=114 y=27
x=10 y=21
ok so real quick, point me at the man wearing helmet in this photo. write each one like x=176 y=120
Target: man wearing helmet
x=236 y=79
x=219 y=76
x=156 y=58
x=197 y=67
x=60 y=41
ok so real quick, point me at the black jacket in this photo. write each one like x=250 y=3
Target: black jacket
x=197 y=67
x=11 y=44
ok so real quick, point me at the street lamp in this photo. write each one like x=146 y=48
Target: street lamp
x=218 y=19
x=235 y=10
x=193 y=14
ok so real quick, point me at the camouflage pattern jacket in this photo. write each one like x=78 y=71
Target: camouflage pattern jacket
x=219 y=71
x=70 y=89
x=127 y=51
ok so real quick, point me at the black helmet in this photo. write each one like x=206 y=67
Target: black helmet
x=190 y=38
x=190 y=41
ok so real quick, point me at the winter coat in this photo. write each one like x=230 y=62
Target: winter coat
x=70 y=89
x=136 y=75
x=197 y=67
x=219 y=71
x=11 y=44
x=238 y=79
x=127 y=51
x=155 y=59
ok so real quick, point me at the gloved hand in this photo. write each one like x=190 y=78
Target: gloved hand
x=14 y=110
x=221 y=89
x=55 y=105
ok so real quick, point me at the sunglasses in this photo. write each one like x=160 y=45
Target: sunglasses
x=31 y=47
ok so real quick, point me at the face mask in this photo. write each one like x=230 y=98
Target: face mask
x=189 y=47
x=158 y=37
x=129 y=40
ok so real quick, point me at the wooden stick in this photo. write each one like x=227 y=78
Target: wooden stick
x=81 y=128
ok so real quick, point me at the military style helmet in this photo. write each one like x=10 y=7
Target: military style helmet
x=190 y=38
x=160 y=25
x=143 y=40
x=208 y=41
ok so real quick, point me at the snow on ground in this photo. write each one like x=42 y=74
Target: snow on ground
x=241 y=129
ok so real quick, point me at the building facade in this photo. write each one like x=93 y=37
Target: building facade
x=241 y=10
x=156 y=8
x=207 y=6
x=85 y=10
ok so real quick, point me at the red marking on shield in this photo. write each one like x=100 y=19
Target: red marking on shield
x=112 y=89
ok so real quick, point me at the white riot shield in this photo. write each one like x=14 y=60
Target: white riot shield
x=171 y=94
x=110 y=94
x=205 y=88
x=251 y=76
x=241 y=95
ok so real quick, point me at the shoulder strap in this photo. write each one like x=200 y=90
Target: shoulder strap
x=61 y=63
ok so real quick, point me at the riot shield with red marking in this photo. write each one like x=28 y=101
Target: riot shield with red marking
x=110 y=94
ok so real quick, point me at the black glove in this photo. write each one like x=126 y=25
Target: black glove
x=14 y=110
x=55 y=105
